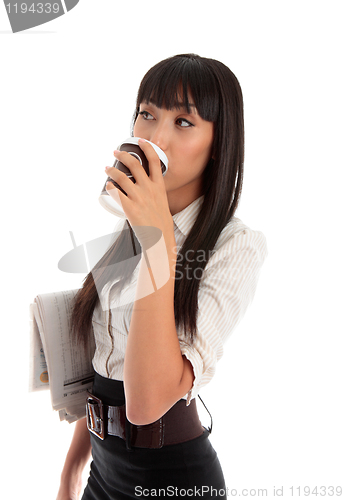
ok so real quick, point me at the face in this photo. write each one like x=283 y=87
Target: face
x=187 y=140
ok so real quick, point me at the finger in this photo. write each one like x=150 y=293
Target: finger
x=133 y=164
x=115 y=194
x=153 y=159
x=125 y=182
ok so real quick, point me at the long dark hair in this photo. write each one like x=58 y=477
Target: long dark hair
x=217 y=96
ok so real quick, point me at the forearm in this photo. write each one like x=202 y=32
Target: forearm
x=78 y=454
x=155 y=373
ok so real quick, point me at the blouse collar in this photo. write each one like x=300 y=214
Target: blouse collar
x=185 y=219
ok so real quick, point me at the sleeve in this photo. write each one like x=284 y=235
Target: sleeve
x=227 y=288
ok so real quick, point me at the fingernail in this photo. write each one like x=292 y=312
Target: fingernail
x=142 y=140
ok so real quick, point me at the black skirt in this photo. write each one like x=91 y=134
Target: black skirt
x=189 y=469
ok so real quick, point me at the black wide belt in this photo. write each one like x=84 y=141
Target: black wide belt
x=181 y=423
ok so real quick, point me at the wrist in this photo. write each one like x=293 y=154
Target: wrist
x=71 y=476
x=70 y=489
x=149 y=236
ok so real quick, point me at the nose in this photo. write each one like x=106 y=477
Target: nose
x=159 y=136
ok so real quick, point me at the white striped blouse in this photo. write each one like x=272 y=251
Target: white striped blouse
x=227 y=288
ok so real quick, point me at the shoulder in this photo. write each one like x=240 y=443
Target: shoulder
x=238 y=237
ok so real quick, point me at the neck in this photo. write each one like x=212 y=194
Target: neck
x=177 y=201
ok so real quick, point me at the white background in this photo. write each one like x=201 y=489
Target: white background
x=68 y=91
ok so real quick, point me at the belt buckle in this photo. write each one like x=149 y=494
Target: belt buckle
x=95 y=416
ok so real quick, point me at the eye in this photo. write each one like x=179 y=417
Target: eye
x=145 y=115
x=182 y=122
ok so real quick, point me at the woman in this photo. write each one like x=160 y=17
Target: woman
x=160 y=321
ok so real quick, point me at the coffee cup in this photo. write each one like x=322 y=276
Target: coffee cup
x=131 y=146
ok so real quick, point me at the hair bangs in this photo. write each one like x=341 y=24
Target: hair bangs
x=178 y=82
